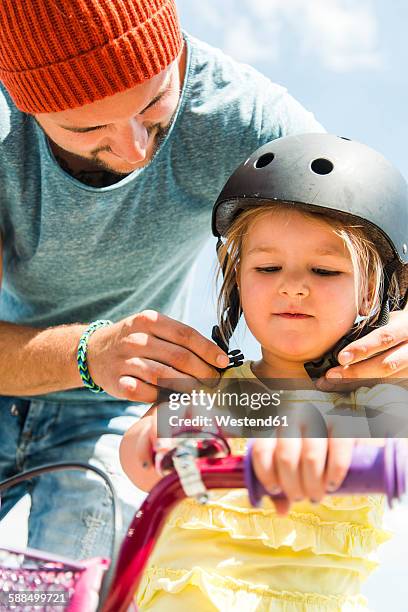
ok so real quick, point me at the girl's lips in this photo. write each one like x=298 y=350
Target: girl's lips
x=293 y=315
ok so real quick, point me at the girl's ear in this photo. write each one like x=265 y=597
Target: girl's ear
x=366 y=305
x=238 y=278
x=364 y=309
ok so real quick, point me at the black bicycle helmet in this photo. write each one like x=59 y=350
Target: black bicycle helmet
x=334 y=176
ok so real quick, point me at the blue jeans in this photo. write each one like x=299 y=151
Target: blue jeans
x=71 y=510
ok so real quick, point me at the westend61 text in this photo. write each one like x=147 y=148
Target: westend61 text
x=228 y=421
x=223 y=399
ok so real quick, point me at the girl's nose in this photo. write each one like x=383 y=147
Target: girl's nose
x=129 y=141
x=293 y=286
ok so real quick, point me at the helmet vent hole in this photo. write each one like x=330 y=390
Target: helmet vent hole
x=264 y=160
x=321 y=166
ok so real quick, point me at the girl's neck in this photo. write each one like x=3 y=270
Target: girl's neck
x=270 y=366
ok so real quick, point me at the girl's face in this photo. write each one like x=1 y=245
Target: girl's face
x=296 y=283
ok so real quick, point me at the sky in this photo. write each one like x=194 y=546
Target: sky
x=345 y=60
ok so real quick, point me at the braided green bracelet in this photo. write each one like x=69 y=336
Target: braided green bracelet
x=82 y=355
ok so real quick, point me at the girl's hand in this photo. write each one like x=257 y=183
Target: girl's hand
x=301 y=467
x=136 y=452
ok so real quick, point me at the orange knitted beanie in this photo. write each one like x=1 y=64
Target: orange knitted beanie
x=60 y=54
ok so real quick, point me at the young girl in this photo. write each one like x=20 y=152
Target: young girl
x=314 y=230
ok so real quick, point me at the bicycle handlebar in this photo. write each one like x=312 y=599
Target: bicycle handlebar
x=373 y=469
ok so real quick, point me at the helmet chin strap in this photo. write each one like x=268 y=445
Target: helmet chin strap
x=319 y=367
x=236 y=356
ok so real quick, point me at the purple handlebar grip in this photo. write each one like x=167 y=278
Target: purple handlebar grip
x=373 y=469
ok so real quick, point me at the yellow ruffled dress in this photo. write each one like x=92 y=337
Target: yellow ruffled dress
x=227 y=555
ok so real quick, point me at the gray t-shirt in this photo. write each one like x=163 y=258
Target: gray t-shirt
x=76 y=253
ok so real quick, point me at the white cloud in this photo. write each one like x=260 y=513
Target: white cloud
x=345 y=35
x=342 y=34
x=242 y=42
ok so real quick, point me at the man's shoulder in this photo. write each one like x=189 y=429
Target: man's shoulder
x=206 y=57
x=217 y=80
x=236 y=101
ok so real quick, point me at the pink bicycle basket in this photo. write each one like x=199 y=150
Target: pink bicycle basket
x=33 y=580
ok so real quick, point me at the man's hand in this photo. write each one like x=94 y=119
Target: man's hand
x=381 y=354
x=129 y=358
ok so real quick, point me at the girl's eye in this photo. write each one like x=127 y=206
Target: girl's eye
x=268 y=269
x=323 y=272
x=319 y=271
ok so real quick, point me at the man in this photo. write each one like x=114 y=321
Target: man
x=116 y=135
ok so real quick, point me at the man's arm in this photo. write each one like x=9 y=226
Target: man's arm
x=126 y=359
x=34 y=361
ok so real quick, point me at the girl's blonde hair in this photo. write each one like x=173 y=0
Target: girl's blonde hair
x=366 y=261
